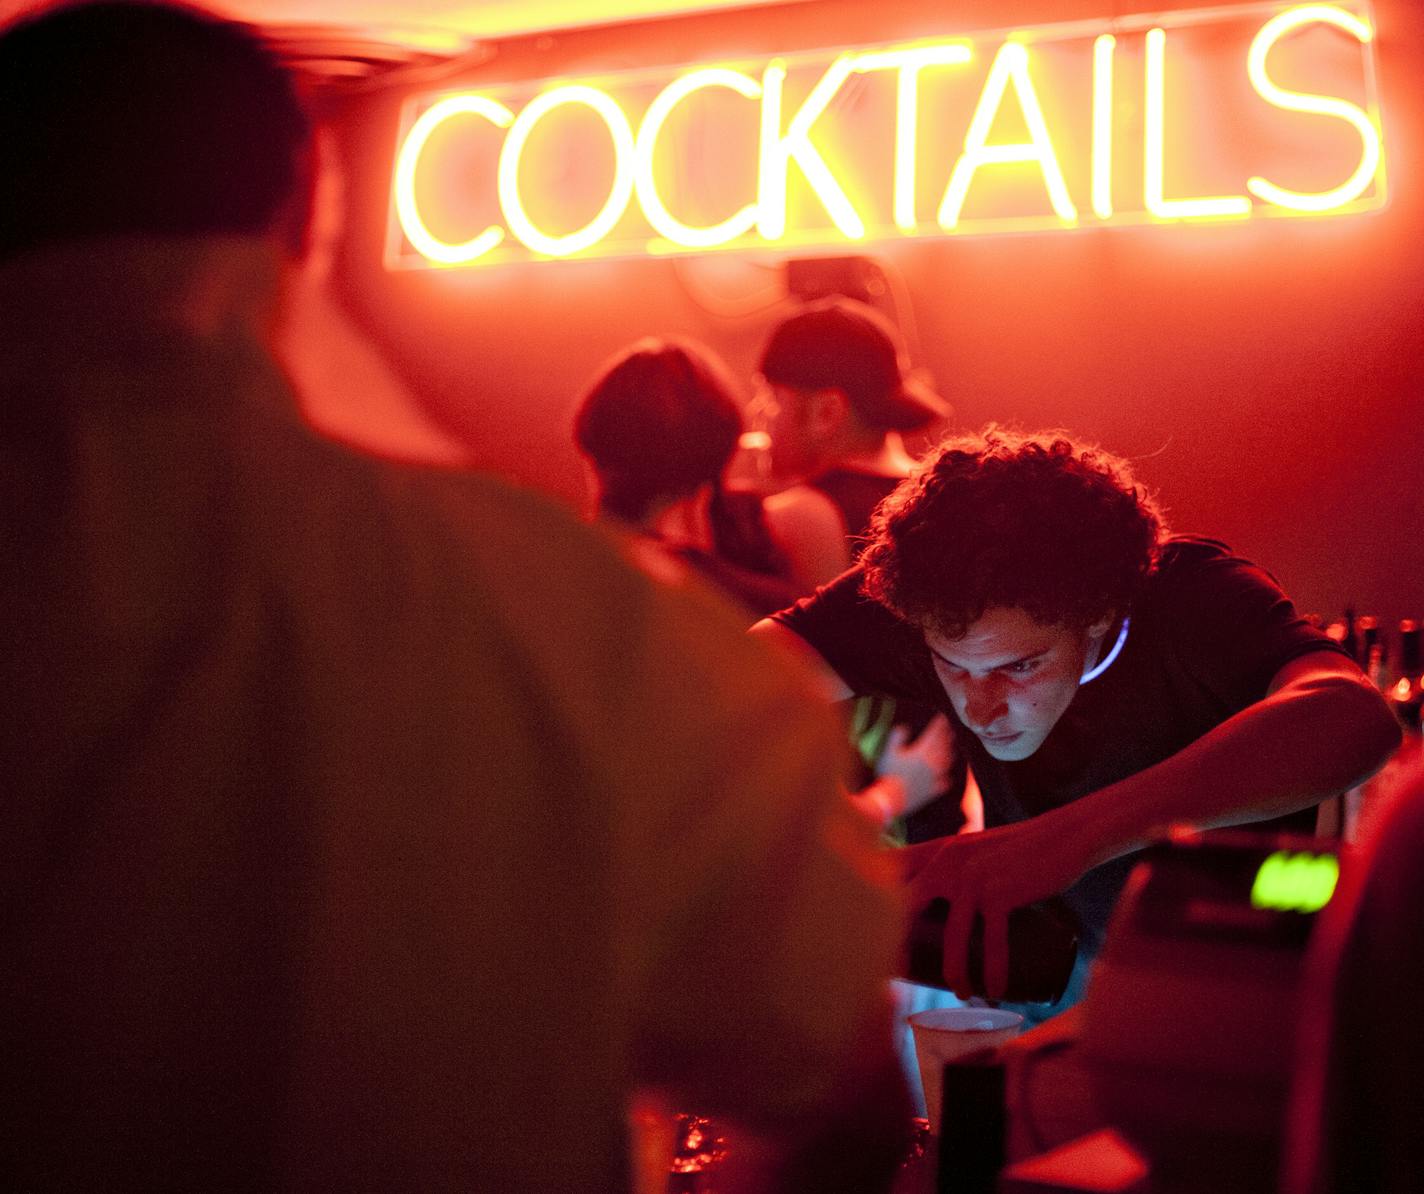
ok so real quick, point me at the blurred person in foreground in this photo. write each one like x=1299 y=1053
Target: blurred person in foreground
x=1104 y=680
x=1357 y=1102
x=367 y=826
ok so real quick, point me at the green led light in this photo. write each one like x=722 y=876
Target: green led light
x=1301 y=882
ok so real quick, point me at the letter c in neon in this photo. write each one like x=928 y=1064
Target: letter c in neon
x=662 y=221
x=412 y=223
x=619 y=193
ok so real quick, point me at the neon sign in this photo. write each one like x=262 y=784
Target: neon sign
x=1219 y=114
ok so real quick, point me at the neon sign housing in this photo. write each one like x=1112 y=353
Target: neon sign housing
x=1228 y=114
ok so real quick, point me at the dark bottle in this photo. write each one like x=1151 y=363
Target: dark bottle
x=1375 y=668
x=1043 y=945
x=1371 y=648
x=1350 y=641
x=1406 y=695
x=1409 y=648
x=973 y=1127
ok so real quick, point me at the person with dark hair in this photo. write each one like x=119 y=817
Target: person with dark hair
x=366 y=824
x=836 y=395
x=1105 y=680
x=659 y=426
x=1023 y=501
x=836 y=392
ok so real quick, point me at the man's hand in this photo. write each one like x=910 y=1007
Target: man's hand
x=989 y=873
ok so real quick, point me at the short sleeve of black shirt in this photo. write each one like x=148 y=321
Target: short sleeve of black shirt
x=1227 y=623
x=871 y=649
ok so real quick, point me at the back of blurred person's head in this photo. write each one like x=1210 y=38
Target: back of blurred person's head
x=657 y=424
x=140 y=118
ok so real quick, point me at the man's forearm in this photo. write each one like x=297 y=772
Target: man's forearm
x=1302 y=744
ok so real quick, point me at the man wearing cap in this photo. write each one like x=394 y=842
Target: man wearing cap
x=837 y=393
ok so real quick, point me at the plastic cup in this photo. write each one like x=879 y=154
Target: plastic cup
x=948 y=1033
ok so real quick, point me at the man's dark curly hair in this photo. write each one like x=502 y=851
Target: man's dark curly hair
x=1032 y=522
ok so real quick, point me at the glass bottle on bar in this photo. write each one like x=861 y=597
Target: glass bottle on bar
x=1350 y=639
x=1372 y=650
x=973 y=1129
x=1406 y=694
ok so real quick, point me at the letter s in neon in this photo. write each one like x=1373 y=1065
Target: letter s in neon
x=1295 y=101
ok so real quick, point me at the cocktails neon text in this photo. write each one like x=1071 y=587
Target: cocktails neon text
x=633 y=212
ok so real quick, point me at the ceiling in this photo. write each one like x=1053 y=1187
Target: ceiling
x=441 y=27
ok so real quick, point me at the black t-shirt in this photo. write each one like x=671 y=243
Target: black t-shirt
x=1206 y=636
x=855 y=493
x=744 y=562
x=741 y=536
x=759 y=592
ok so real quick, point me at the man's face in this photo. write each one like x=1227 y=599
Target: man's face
x=1010 y=678
x=784 y=414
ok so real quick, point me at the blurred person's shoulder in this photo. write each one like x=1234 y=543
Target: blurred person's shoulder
x=512 y=555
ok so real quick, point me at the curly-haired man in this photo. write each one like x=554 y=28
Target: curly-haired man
x=1105 y=680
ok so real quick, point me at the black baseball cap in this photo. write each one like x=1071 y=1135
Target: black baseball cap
x=839 y=343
